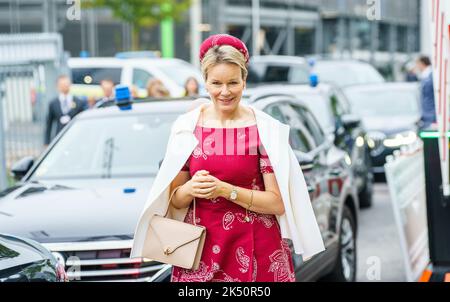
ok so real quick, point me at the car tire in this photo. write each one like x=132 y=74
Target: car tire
x=345 y=268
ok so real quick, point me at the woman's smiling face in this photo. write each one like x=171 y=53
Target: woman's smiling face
x=225 y=86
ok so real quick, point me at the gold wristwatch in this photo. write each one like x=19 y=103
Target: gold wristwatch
x=233 y=194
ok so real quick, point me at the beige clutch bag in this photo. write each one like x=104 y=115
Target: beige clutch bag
x=174 y=242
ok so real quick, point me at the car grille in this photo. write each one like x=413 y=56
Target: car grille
x=101 y=262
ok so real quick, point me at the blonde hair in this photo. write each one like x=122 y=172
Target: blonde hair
x=156 y=86
x=223 y=54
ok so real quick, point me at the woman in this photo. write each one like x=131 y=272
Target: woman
x=156 y=89
x=246 y=204
x=191 y=87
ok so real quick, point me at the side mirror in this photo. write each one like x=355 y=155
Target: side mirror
x=306 y=162
x=21 y=168
x=350 y=121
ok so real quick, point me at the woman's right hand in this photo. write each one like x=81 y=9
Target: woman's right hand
x=201 y=185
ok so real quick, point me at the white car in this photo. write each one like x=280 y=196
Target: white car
x=343 y=73
x=271 y=69
x=88 y=72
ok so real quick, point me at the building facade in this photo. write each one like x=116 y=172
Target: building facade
x=373 y=30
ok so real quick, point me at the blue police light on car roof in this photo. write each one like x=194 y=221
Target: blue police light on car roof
x=84 y=54
x=313 y=77
x=313 y=80
x=123 y=97
x=129 y=190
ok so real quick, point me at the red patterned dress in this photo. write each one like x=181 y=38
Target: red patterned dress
x=235 y=250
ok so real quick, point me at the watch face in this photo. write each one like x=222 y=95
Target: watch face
x=233 y=195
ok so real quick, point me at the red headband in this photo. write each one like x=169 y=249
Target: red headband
x=223 y=39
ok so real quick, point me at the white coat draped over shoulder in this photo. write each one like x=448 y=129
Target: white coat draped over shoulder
x=298 y=223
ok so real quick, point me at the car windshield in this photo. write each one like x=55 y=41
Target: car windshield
x=261 y=72
x=342 y=74
x=93 y=76
x=109 y=147
x=388 y=102
x=180 y=72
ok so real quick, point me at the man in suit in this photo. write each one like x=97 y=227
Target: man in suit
x=107 y=86
x=428 y=116
x=62 y=109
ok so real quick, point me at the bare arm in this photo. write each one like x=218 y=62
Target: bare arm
x=264 y=202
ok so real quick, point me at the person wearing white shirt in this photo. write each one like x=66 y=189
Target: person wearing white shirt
x=62 y=109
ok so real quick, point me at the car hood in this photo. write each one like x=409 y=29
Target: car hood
x=390 y=125
x=75 y=210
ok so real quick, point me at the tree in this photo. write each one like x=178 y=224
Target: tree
x=141 y=13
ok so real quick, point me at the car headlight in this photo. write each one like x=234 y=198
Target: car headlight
x=60 y=268
x=360 y=141
x=400 y=139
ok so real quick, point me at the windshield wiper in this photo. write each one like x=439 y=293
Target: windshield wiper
x=108 y=155
x=52 y=186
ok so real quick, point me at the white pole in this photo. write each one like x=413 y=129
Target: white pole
x=439 y=13
x=255 y=27
x=196 y=35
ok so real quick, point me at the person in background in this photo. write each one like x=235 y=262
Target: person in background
x=156 y=89
x=91 y=102
x=191 y=87
x=410 y=72
x=107 y=86
x=428 y=117
x=62 y=109
x=134 y=90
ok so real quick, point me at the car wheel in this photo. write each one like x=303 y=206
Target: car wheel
x=345 y=267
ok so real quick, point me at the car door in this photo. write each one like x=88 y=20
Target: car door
x=323 y=202
x=353 y=140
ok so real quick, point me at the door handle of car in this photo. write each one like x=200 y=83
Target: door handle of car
x=336 y=172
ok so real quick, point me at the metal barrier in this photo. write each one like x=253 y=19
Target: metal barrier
x=405 y=176
x=29 y=66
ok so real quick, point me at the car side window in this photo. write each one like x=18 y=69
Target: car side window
x=299 y=141
x=275 y=112
x=300 y=136
x=343 y=101
x=141 y=78
x=276 y=73
x=299 y=75
x=310 y=123
x=336 y=106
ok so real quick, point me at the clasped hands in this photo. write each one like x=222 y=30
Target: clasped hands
x=204 y=185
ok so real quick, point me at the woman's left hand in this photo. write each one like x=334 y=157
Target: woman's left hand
x=220 y=185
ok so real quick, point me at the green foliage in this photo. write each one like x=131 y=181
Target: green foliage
x=142 y=13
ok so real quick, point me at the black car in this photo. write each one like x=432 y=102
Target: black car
x=24 y=260
x=83 y=197
x=389 y=112
x=333 y=111
x=277 y=69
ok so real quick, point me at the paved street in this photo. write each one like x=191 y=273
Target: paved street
x=378 y=243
